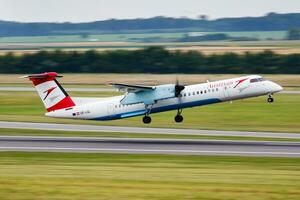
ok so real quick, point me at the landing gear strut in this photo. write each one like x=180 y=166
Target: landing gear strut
x=270 y=99
x=147 y=118
x=178 y=118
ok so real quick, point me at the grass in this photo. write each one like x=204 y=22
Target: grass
x=207 y=48
x=124 y=41
x=98 y=80
x=262 y=35
x=278 y=35
x=115 y=176
x=248 y=115
x=29 y=132
x=91 y=38
x=66 y=85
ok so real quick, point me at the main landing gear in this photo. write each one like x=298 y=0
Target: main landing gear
x=270 y=99
x=179 y=118
x=147 y=118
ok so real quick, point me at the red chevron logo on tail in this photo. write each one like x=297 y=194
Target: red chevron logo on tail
x=48 y=92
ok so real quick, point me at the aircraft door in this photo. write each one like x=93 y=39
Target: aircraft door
x=110 y=109
x=226 y=92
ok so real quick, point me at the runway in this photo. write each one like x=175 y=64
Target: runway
x=121 y=129
x=32 y=89
x=149 y=146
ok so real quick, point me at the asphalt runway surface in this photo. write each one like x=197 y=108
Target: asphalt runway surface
x=149 y=146
x=31 y=89
x=120 y=129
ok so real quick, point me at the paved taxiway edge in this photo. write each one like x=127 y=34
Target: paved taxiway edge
x=120 y=129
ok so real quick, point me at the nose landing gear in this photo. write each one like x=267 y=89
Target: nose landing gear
x=179 y=118
x=270 y=99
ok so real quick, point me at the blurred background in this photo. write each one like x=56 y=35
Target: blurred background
x=142 y=37
x=96 y=42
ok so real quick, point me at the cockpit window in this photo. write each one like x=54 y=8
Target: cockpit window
x=254 y=80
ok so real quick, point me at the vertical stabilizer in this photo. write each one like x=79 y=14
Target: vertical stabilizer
x=50 y=91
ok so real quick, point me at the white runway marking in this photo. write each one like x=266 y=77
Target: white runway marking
x=120 y=129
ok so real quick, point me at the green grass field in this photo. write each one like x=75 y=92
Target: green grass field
x=29 y=132
x=104 y=79
x=111 y=176
x=278 y=35
x=248 y=115
x=90 y=38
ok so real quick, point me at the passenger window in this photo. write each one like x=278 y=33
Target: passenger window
x=189 y=94
x=216 y=89
x=204 y=91
x=197 y=92
x=184 y=94
x=212 y=90
x=201 y=92
x=193 y=93
x=208 y=90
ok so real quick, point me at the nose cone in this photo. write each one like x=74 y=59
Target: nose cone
x=275 y=87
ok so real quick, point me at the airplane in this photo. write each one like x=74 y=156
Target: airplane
x=141 y=100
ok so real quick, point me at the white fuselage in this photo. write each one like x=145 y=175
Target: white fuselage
x=193 y=95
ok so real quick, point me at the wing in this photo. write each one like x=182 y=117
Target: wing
x=145 y=94
x=132 y=88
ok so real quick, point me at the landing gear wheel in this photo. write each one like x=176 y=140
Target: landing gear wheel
x=147 y=120
x=178 y=118
x=270 y=100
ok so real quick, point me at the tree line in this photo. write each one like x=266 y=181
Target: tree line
x=149 y=60
x=270 y=22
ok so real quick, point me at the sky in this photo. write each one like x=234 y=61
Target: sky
x=94 y=10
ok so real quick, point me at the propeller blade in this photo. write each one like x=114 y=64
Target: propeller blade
x=178 y=88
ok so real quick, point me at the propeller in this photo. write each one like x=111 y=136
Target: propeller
x=178 y=88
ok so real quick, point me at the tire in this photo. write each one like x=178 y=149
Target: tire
x=270 y=100
x=178 y=118
x=147 y=120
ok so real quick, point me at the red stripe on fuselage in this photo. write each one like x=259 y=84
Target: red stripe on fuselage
x=65 y=103
x=240 y=81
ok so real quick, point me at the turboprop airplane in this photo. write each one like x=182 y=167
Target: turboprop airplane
x=144 y=100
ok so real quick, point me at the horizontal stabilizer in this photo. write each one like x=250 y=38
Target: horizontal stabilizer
x=43 y=75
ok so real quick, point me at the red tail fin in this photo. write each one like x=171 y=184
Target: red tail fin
x=50 y=91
